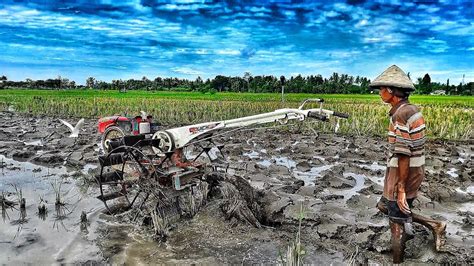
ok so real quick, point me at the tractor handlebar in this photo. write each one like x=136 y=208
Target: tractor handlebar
x=341 y=115
x=318 y=116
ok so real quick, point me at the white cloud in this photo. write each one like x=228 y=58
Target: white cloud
x=25 y=13
x=454 y=28
x=361 y=23
x=432 y=9
x=202 y=51
x=228 y=52
x=344 y=54
x=434 y=45
x=330 y=14
x=290 y=14
x=255 y=9
x=372 y=40
x=342 y=7
x=186 y=71
x=187 y=7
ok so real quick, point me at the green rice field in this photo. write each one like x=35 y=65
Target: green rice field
x=447 y=117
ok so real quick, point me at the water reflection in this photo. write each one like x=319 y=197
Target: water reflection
x=42 y=212
x=5 y=215
x=84 y=223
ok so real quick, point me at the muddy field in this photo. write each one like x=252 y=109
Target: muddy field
x=337 y=180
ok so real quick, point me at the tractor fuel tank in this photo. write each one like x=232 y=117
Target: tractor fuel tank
x=144 y=127
x=116 y=120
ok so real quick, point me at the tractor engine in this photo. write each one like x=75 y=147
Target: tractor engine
x=114 y=127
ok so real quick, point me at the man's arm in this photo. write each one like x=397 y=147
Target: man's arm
x=403 y=171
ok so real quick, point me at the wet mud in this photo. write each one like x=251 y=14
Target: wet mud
x=337 y=180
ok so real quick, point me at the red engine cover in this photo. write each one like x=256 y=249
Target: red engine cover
x=105 y=122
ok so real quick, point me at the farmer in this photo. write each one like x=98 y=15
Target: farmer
x=405 y=163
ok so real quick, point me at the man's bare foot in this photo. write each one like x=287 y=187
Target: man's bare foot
x=382 y=207
x=439 y=234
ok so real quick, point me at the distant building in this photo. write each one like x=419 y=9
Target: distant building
x=438 y=92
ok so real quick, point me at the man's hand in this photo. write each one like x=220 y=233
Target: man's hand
x=402 y=202
x=403 y=171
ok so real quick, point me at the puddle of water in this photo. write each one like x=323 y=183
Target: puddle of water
x=87 y=167
x=464 y=156
x=265 y=163
x=284 y=161
x=319 y=158
x=192 y=152
x=25 y=174
x=360 y=181
x=379 y=180
x=34 y=143
x=98 y=147
x=466 y=207
x=470 y=189
x=373 y=167
x=309 y=177
x=252 y=155
x=452 y=173
x=465 y=190
x=57 y=237
x=348 y=193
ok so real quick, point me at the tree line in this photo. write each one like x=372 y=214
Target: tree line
x=336 y=83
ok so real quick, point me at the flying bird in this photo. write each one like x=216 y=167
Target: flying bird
x=74 y=130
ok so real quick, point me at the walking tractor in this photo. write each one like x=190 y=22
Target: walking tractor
x=141 y=161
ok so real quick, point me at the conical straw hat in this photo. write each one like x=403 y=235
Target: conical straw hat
x=393 y=77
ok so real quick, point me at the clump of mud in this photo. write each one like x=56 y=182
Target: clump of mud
x=164 y=207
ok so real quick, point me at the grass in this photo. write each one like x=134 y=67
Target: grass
x=295 y=251
x=461 y=101
x=448 y=117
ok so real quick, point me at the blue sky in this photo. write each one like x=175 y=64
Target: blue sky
x=111 y=39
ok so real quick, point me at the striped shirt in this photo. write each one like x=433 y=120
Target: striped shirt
x=406 y=135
